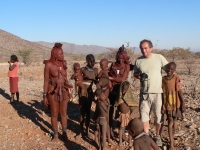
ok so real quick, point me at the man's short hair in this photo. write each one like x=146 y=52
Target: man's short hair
x=148 y=41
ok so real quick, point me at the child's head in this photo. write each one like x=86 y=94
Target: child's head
x=76 y=67
x=104 y=64
x=90 y=60
x=99 y=94
x=125 y=86
x=13 y=58
x=103 y=81
x=171 y=68
x=135 y=127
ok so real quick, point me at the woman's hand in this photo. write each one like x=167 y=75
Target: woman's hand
x=46 y=102
x=111 y=78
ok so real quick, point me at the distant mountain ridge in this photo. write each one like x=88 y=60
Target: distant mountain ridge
x=10 y=44
x=78 y=49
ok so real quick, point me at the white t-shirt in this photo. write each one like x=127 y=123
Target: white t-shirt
x=152 y=67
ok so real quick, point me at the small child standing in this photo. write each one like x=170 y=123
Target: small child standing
x=173 y=102
x=13 y=77
x=103 y=85
x=123 y=112
x=77 y=76
x=141 y=140
x=103 y=110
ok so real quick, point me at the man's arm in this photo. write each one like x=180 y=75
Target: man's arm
x=136 y=71
x=164 y=63
x=137 y=75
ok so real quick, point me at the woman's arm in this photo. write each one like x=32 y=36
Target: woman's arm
x=46 y=82
x=124 y=76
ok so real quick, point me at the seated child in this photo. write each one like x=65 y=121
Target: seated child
x=103 y=110
x=77 y=76
x=141 y=140
x=123 y=112
x=103 y=85
x=173 y=103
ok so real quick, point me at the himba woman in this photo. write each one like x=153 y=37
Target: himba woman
x=56 y=92
x=118 y=73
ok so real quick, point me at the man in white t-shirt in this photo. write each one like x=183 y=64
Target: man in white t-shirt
x=147 y=68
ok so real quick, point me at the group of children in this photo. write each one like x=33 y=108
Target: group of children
x=173 y=106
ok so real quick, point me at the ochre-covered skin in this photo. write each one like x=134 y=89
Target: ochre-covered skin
x=56 y=93
x=143 y=142
x=119 y=71
x=89 y=73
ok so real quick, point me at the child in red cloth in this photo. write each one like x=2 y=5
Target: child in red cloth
x=13 y=77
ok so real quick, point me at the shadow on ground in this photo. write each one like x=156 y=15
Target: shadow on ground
x=30 y=112
x=5 y=95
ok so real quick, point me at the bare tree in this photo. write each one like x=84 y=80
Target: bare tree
x=25 y=55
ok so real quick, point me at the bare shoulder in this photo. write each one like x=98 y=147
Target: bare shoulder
x=48 y=64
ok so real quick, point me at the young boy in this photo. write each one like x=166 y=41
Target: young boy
x=103 y=109
x=123 y=112
x=77 y=76
x=173 y=103
x=103 y=85
x=141 y=140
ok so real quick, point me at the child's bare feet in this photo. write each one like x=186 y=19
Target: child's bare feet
x=120 y=143
x=110 y=142
x=55 y=139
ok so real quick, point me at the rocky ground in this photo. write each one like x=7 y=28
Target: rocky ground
x=26 y=125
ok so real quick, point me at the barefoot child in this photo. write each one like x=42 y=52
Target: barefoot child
x=141 y=140
x=123 y=112
x=13 y=76
x=77 y=76
x=102 y=109
x=103 y=85
x=173 y=103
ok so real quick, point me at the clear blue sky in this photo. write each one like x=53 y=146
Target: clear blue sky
x=168 y=23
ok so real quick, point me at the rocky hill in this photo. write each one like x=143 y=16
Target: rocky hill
x=10 y=44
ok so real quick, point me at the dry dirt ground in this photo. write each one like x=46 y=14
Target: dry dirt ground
x=25 y=125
